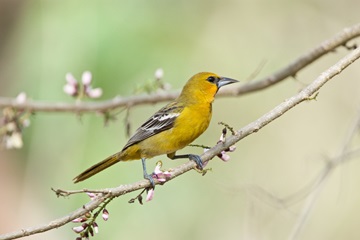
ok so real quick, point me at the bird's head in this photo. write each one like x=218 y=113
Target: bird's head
x=204 y=85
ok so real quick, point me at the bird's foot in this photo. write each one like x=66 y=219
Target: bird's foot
x=146 y=175
x=197 y=160
x=150 y=178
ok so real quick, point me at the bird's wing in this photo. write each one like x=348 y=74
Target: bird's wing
x=162 y=120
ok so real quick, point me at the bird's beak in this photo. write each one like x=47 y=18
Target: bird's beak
x=225 y=81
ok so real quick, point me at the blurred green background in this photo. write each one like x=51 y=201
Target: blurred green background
x=122 y=43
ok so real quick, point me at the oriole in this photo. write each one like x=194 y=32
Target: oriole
x=172 y=128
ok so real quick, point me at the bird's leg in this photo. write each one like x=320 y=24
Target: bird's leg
x=146 y=175
x=195 y=158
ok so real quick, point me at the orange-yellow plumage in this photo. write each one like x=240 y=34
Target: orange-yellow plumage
x=171 y=128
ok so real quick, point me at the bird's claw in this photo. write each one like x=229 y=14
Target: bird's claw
x=151 y=180
x=197 y=160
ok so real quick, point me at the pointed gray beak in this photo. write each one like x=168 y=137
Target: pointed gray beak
x=225 y=81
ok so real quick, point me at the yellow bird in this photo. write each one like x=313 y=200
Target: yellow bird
x=171 y=128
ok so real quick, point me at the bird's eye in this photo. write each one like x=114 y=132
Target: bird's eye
x=211 y=79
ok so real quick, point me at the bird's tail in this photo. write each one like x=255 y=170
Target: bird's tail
x=98 y=167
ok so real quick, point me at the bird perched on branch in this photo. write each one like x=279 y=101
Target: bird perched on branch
x=172 y=128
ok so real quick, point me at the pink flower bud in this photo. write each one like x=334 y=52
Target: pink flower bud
x=96 y=227
x=159 y=73
x=160 y=175
x=70 y=89
x=14 y=140
x=78 y=229
x=70 y=79
x=78 y=220
x=91 y=195
x=105 y=215
x=158 y=167
x=167 y=174
x=150 y=195
x=223 y=156
x=94 y=93
x=86 y=78
x=21 y=98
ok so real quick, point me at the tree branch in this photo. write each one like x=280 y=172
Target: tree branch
x=340 y=39
x=279 y=110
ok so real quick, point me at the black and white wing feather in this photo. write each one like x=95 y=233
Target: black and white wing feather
x=162 y=120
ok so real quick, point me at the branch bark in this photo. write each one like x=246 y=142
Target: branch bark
x=253 y=127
